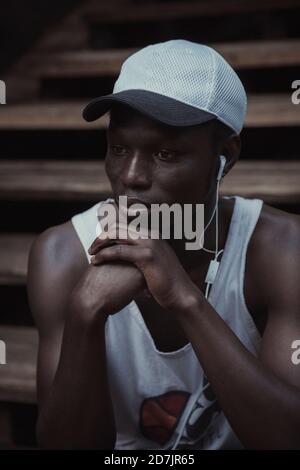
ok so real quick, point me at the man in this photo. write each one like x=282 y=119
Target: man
x=132 y=354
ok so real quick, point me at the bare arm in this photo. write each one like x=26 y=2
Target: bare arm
x=70 y=302
x=259 y=396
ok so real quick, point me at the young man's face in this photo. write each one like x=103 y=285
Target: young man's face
x=157 y=163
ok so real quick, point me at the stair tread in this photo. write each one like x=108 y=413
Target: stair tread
x=18 y=375
x=89 y=63
x=107 y=13
x=47 y=115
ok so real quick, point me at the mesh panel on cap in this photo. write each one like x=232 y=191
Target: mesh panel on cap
x=228 y=97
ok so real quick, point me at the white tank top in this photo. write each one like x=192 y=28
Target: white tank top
x=159 y=397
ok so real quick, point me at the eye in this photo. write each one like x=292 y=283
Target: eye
x=164 y=155
x=118 y=150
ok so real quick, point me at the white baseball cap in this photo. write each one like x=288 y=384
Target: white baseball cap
x=179 y=83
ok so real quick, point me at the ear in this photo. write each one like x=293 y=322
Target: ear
x=231 y=149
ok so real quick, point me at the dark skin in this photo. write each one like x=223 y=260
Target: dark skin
x=71 y=299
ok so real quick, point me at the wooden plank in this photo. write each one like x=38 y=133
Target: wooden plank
x=272 y=111
x=18 y=375
x=276 y=182
x=14 y=250
x=273 y=181
x=53 y=115
x=53 y=180
x=255 y=54
x=85 y=63
x=101 y=12
x=265 y=110
x=107 y=62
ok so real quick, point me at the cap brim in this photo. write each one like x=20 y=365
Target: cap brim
x=159 y=107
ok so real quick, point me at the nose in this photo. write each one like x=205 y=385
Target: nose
x=137 y=172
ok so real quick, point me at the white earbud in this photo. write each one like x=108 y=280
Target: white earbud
x=214 y=264
x=222 y=165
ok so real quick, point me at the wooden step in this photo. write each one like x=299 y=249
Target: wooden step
x=105 y=12
x=53 y=180
x=265 y=110
x=273 y=181
x=53 y=115
x=84 y=63
x=96 y=63
x=14 y=250
x=272 y=110
x=17 y=376
x=276 y=182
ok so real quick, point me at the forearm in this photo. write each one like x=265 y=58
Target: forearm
x=78 y=410
x=261 y=408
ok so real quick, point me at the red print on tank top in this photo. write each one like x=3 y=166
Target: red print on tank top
x=159 y=415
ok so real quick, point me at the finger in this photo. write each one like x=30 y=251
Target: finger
x=105 y=236
x=111 y=237
x=116 y=233
x=120 y=252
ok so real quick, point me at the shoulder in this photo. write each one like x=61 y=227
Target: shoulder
x=56 y=261
x=57 y=248
x=274 y=254
x=276 y=230
x=277 y=221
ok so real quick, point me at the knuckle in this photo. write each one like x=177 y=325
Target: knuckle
x=97 y=257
